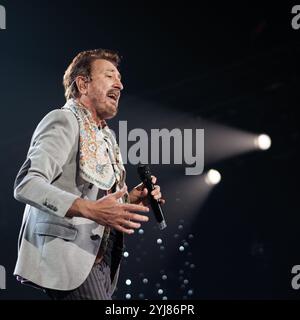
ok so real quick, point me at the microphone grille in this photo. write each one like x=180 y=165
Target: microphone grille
x=144 y=172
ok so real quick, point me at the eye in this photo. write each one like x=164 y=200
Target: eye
x=109 y=76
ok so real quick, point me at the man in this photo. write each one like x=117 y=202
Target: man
x=73 y=184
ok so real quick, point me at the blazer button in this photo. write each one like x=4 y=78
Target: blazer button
x=95 y=236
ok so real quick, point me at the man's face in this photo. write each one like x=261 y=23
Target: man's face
x=104 y=89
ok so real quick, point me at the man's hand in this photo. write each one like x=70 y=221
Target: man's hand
x=108 y=211
x=138 y=195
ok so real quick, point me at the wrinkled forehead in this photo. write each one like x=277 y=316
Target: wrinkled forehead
x=101 y=66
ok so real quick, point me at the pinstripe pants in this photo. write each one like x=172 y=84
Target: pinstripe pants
x=97 y=286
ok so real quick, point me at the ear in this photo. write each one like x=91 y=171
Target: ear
x=82 y=85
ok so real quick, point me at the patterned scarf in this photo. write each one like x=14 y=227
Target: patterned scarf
x=100 y=161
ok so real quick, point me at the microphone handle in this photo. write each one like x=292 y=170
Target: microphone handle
x=155 y=205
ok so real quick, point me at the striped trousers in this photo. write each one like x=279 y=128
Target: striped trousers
x=97 y=286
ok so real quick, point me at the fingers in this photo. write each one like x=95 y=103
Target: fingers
x=134 y=207
x=162 y=201
x=153 y=179
x=119 y=194
x=139 y=187
x=130 y=224
x=156 y=192
x=136 y=217
x=157 y=196
x=144 y=193
x=124 y=230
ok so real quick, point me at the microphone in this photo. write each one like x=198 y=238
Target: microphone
x=145 y=175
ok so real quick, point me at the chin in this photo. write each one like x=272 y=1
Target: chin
x=111 y=114
x=108 y=112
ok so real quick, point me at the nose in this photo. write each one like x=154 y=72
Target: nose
x=118 y=84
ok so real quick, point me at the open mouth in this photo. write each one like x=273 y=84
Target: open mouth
x=113 y=96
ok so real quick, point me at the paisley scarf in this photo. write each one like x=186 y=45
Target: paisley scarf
x=100 y=160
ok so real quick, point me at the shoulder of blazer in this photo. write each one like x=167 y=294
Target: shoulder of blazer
x=58 y=118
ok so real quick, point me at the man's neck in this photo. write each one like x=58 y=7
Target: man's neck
x=100 y=122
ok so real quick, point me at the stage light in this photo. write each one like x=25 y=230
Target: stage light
x=125 y=254
x=190 y=292
x=159 y=241
x=263 y=142
x=212 y=177
x=128 y=296
x=185 y=244
x=128 y=282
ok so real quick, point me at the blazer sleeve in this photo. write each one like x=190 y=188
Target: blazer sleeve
x=51 y=147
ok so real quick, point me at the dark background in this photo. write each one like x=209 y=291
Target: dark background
x=235 y=64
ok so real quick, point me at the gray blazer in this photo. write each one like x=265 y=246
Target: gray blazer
x=55 y=251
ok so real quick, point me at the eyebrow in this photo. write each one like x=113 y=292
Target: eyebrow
x=114 y=71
